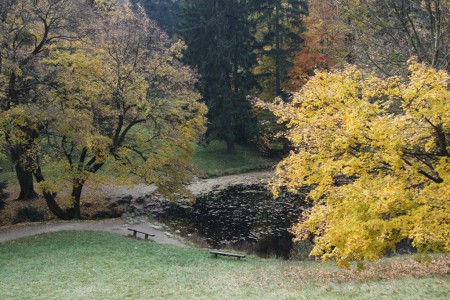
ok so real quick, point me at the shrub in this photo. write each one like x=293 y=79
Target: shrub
x=29 y=214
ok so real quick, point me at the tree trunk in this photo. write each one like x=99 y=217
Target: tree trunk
x=24 y=176
x=54 y=207
x=236 y=74
x=76 y=196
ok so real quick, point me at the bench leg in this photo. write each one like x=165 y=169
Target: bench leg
x=135 y=234
x=146 y=236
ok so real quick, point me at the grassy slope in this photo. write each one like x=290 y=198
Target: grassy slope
x=213 y=160
x=87 y=265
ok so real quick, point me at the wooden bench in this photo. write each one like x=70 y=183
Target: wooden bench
x=238 y=256
x=136 y=230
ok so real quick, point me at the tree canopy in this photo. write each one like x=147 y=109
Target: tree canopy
x=279 y=24
x=325 y=43
x=375 y=152
x=164 y=12
x=386 y=33
x=27 y=30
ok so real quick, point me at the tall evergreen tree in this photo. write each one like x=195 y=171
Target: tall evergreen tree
x=280 y=25
x=164 y=12
x=220 y=45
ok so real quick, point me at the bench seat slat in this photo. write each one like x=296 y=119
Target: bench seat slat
x=216 y=253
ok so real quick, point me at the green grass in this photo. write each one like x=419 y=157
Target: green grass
x=93 y=265
x=213 y=160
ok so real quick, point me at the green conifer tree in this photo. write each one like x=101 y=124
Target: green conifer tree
x=164 y=12
x=220 y=45
x=279 y=27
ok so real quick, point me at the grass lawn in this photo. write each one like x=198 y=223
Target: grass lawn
x=213 y=160
x=93 y=265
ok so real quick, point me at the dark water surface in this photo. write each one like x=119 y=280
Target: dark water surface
x=241 y=216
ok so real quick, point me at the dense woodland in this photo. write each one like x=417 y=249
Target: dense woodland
x=353 y=95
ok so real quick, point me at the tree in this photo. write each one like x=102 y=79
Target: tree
x=385 y=33
x=280 y=25
x=325 y=43
x=376 y=153
x=138 y=107
x=118 y=95
x=220 y=46
x=164 y=12
x=28 y=28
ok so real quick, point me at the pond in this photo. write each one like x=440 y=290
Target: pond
x=244 y=217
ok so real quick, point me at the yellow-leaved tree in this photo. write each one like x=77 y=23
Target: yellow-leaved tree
x=29 y=31
x=95 y=82
x=118 y=95
x=376 y=154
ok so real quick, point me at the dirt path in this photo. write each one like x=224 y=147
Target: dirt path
x=116 y=226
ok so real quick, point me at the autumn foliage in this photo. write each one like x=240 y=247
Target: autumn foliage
x=325 y=43
x=376 y=154
x=111 y=90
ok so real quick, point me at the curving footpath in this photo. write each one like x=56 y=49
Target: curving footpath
x=116 y=226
